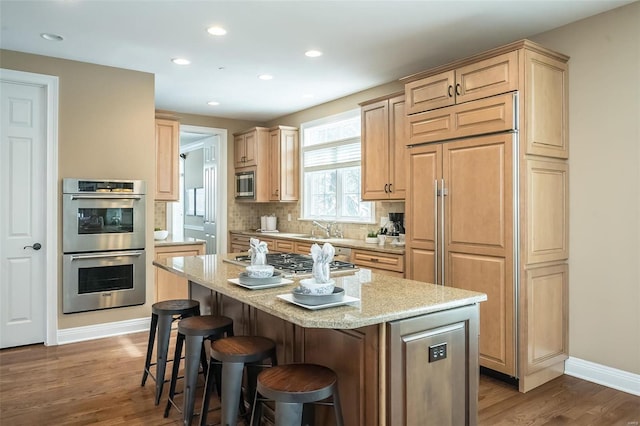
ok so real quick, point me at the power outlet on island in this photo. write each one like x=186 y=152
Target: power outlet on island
x=437 y=352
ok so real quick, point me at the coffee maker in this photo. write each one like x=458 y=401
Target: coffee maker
x=396 y=224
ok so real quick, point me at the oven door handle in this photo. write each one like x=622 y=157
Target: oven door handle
x=105 y=197
x=102 y=255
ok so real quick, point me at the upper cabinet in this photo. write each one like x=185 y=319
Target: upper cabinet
x=167 y=157
x=487 y=77
x=273 y=156
x=284 y=177
x=383 y=149
x=246 y=146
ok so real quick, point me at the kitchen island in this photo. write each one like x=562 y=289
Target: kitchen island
x=406 y=352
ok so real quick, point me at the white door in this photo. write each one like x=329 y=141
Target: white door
x=23 y=214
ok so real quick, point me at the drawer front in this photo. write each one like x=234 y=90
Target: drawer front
x=376 y=260
x=484 y=116
x=303 y=247
x=283 y=246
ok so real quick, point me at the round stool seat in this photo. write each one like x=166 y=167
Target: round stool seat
x=297 y=383
x=204 y=325
x=242 y=349
x=174 y=307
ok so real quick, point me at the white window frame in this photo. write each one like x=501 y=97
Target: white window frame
x=338 y=218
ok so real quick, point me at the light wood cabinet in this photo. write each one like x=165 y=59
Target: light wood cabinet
x=490 y=115
x=383 y=263
x=284 y=176
x=167 y=160
x=487 y=198
x=246 y=146
x=168 y=285
x=240 y=243
x=383 y=149
x=475 y=80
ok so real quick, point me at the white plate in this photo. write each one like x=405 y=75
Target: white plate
x=288 y=297
x=282 y=282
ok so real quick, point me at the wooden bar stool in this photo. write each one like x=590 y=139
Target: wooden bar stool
x=293 y=385
x=162 y=316
x=193 y=331
x=235 y=353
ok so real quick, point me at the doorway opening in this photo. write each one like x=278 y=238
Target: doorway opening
x=201 y=211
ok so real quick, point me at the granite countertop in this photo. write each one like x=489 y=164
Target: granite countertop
x=170 y=241
x=341 y=242
x=382 y=298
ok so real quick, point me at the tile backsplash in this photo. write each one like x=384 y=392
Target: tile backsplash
x=246 y=216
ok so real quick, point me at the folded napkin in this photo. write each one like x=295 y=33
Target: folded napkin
x=322 y=257
x=258 y=251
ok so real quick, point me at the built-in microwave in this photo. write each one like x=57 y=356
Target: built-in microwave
x=246 y=185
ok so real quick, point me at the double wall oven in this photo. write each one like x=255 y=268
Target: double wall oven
x=104 y=260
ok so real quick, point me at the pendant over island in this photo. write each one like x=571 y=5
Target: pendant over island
x=406 y=352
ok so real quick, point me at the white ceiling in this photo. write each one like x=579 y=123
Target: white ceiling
x=365 y=43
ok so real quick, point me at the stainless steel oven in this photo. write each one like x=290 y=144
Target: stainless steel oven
x=103 y=240
x=102 y=215
x=102 y=280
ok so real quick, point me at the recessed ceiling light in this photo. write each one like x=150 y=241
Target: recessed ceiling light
x=213 y=103
x=181 y=61
x=313 y=53
x=216 y=31
x=51 y=37
x=265 y=76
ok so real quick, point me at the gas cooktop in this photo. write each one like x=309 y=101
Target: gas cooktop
x=293 y=264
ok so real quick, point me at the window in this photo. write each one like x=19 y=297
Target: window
x=331 y=170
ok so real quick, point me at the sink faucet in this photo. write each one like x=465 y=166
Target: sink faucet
x=326 y=227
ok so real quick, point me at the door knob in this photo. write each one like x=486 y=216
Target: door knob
x=36 y=246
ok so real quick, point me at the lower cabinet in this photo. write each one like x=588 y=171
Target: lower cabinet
x=168 y=285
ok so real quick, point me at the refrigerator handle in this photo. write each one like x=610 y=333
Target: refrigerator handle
x=435 y=231
x=442 y=235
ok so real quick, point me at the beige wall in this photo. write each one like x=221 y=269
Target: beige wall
x=604 y=117
x=106 y=130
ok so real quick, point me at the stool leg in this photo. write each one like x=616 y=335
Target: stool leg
x=192 y=359
x=231 y=388
x=174 y=372
x=164 y=333
x=208 y=389
x=152 y=338
x=337 y=406
x=288 y=414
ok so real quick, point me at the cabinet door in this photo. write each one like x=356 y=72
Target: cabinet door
x=283 y=165
x=167 y=157
x=274 y=166
x=375 y=151
x=250 y=148
x=424 y=170
x=487 y=78
x=479 y=238
x=239 y=148
x=397 y=149
x=431 y=92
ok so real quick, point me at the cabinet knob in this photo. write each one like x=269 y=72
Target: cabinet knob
x=458 y=89
x=386 y=185
x=450 y=91
x=390 y=191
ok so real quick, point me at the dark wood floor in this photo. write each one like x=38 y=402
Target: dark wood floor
x=98 y=383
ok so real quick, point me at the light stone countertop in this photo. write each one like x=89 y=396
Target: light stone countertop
x=170 y=241
x=382 y=298
x=338 y=242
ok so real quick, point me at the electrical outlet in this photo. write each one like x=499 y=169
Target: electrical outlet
x=289 y=217
x=437 y=352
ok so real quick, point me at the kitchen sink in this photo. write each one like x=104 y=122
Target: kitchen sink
x=309 y=237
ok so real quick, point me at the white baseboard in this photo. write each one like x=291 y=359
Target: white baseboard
x=98 y=331
x=603 y=375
